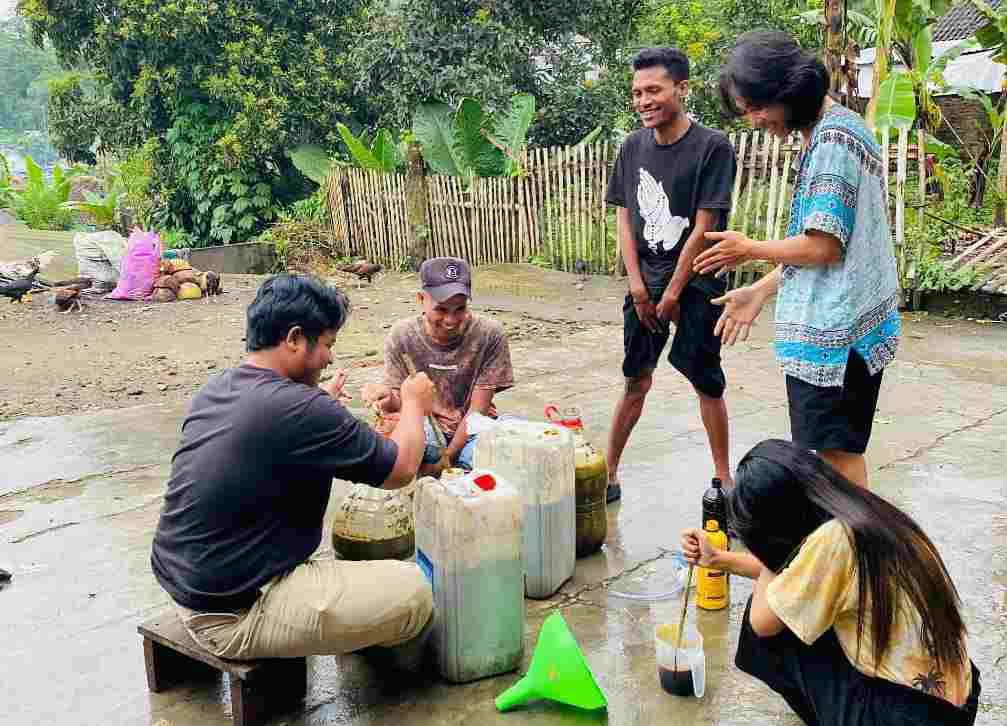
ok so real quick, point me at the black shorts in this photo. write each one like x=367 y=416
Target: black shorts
x=695 y=350
x=822 y=687
x=835 y=417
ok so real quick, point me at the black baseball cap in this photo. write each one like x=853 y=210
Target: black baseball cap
x=445 y=277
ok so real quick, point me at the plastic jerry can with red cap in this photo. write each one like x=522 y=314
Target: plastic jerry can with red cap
x=590 y=482
x=468 y=544
x=538 y=458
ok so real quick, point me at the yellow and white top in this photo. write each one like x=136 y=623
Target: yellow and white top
x=818 y=590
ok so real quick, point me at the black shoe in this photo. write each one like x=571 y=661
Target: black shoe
x=613 y=493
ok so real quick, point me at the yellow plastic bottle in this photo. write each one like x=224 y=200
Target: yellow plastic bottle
x=712 y=591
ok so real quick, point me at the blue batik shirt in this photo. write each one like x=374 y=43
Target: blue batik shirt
x=824 y=312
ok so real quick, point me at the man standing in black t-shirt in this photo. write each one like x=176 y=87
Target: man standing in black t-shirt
x=672 y=184
x=235 y=546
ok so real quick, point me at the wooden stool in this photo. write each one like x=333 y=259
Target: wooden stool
x=258 y=687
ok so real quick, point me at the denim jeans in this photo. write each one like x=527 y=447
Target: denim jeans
x=432 y=454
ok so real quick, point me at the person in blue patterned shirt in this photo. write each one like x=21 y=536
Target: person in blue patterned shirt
x=837 y=318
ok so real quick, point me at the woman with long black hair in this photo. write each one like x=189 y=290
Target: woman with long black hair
x=854 y=618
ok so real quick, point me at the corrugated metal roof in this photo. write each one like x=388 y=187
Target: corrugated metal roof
x=961 y=21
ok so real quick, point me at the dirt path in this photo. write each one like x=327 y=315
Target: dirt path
x=118 y=354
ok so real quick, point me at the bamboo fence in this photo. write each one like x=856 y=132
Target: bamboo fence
x=555 y=209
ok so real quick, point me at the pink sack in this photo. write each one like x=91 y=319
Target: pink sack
x=139 y=267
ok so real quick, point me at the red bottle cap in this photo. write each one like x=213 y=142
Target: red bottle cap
x=485 y=482
x=553 y=415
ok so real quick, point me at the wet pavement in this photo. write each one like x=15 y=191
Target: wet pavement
x=79 y=498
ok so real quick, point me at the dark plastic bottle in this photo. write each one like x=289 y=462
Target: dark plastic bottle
x=715 y=504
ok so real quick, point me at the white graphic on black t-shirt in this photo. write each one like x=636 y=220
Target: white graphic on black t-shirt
x=660 y=226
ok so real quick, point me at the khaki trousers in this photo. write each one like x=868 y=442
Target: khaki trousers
x=323 y=607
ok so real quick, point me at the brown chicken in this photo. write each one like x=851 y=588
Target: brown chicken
x=363 y=269
x=68 y=298
x=353 y=266
x=67 y=293
x=366 y=271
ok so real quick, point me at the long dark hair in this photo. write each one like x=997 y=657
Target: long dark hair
x=784 y=493
x=768 y=67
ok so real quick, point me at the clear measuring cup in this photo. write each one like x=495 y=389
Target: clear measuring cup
x=684 y=675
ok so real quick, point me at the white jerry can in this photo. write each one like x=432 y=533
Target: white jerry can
x=538 y=458
x=468 y=544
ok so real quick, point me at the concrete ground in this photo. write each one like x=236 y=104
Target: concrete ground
x=80 y=495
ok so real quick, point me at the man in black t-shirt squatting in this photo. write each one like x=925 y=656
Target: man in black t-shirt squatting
x=235 y=546
x=672 y=183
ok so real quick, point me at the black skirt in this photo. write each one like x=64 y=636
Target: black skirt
x=824 y=689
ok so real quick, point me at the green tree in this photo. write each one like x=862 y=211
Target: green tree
x=706 y=31
x=577 y=94
x=424 y=50
x=266 y=76
x=24 y=70
x=84 y=119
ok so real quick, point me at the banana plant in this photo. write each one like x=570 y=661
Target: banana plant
x=895 y=106
x=927 y=75
x=312 y=161
x=903 y=26
x=862 y=26
x=40 y=203
x=993 y=36
x=468 y=142
x=383 y=154
x=592 y=136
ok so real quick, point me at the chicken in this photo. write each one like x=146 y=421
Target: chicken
x=352 y=267
x=18 y=290
x=366 y=271
x=363 y=269
x=209 y=283
x=68 y=298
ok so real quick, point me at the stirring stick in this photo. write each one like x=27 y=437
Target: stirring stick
x=438 y=433
x=681 y=620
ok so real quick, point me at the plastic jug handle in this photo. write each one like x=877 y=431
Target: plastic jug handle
x=699 y=673
x=552 y=413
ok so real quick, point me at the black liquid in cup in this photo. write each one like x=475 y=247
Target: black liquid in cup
x=677 y=683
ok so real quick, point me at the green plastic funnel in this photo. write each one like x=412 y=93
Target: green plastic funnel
x=558 y=672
